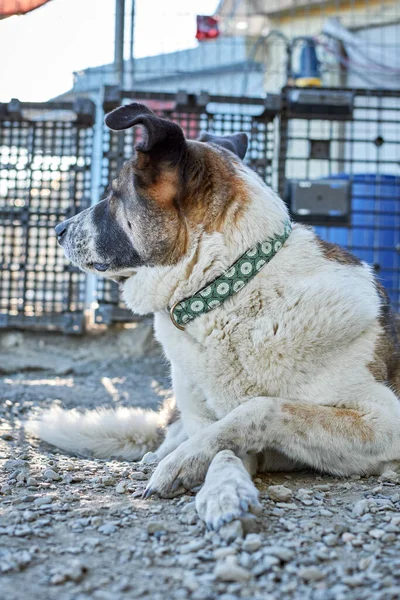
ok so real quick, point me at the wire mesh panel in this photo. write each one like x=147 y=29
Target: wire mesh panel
x=216 y=114
x=357 y=147
x=45 y=154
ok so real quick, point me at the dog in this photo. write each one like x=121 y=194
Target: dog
x=283 y=348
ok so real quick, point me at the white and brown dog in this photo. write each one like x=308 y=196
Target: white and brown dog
x=283 y=348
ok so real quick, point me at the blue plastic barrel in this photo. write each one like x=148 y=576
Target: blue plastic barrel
x=374 y=232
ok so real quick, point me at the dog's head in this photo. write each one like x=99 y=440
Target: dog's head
x=161 y=198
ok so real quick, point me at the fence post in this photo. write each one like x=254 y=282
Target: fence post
x=283 y=144
x=95 y=192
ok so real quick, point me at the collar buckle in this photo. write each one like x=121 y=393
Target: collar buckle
x=172 y=316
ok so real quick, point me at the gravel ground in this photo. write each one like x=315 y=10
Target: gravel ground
x=74 y=529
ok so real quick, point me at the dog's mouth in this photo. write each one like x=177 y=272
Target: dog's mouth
x=104 y=267
x=119 y=278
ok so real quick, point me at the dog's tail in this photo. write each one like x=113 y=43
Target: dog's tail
x=122 y=433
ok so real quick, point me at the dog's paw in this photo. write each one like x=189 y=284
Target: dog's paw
x=228 y=493
x=182 y=470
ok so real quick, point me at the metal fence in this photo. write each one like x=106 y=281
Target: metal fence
x=339 y=171
x=45 y=158
x=334 y=155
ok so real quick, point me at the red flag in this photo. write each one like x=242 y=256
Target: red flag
x=18 y=7
x=207 y=28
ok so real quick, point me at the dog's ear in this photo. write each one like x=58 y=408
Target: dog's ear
x=159 y=154
x=161 y=138
x=236 y=143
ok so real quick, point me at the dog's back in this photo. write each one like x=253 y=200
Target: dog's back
x=386 y=364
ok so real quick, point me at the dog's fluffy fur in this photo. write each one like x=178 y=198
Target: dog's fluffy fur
x=300 y=368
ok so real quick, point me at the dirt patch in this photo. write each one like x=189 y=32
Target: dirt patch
x=73 y=528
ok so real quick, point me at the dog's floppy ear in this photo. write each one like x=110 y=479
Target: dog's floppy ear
x=160 y=136
x=236 y=143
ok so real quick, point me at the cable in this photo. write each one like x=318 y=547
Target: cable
x=372 y=61
x=348 y=65
x=354 y=61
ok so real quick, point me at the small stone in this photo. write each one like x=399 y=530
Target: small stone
x=389 y=476
x=58 y=578
x=108 y=528
x=22 y=531
x=279 y=493
x=51 y=475
x=191 y=582
x=306 y=500
x=250 y=524
x=389 y=537
x=330 y=540
x=311 y=574
x=365 y=563
x=377 y=533
x=284 y=554
x=43 y=500
x=252 y=543
x=15 y=463
x=75 y=571
x=139 y=476
x=31 y=481
x=156 y=527
x=268 y=562
x=231 y=531
x=192 y=546
x=224 y=552
x=323 y=487
x=108 y=480
x=29 y=516
x=324 y=512
x=121 y=487
x=189 y=514
x=357 y=542
x=229 y=570
x=22 y=558
x=353 y=581
x=150 y=458
x=360 y=508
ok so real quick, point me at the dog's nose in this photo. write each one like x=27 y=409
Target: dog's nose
x=60 y=230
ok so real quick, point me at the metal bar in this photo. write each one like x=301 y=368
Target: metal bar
x=119 y=41
x=95 y=189
x=132 y=45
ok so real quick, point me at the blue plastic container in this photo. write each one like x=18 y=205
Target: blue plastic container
x=374 y=232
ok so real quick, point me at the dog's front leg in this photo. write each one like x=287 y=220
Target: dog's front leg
x=361 y=438
x=228 y=492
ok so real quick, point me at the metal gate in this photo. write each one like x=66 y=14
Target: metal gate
x=340 y=171
x=45 y=157
x=334 y=155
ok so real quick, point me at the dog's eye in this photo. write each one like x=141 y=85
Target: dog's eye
x=129 y=225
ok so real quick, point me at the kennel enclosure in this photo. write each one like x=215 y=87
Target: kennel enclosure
x=332 y=154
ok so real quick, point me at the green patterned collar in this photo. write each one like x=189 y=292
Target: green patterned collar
x=229 y=283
